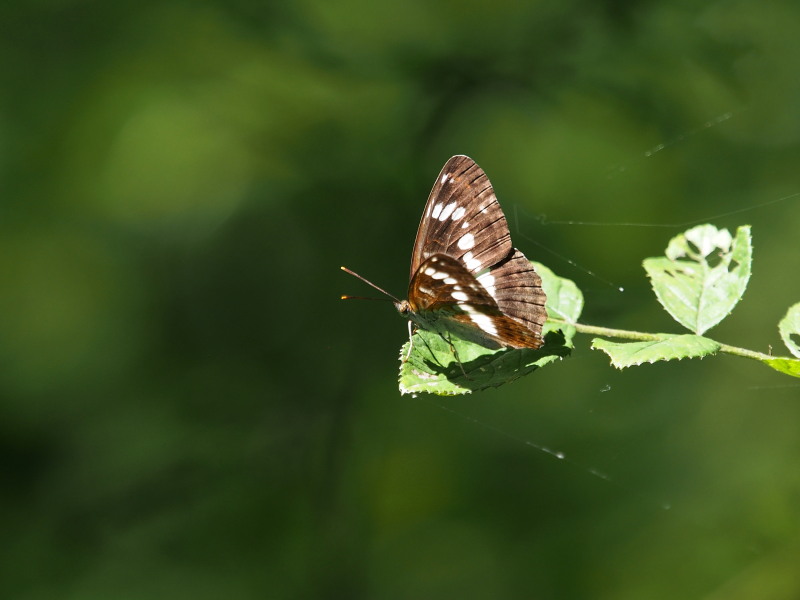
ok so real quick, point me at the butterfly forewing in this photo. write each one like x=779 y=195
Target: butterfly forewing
x=462 y=219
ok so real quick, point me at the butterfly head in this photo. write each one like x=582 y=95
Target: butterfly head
x=403 y=308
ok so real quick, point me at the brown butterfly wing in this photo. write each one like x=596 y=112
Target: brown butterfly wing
x=462 y=219
x=444 y=296
x=465 y=229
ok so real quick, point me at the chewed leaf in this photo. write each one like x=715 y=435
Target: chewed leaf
x=564 y=301
x=671 y=347
x=788 y=366
x=703 y=275
x=789 y=328
x=432 y=367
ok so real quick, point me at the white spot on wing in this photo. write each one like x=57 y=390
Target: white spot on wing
x=451 y=281
x=444 y=178
x=471 y=262
x=483 y=321
x=430 y=271
x=439 y=275
x=436 y=210
x=458 y=213
x=448 y=210
x=487 y=281
x=466 y=241
x=459 y=296
x=464 y=225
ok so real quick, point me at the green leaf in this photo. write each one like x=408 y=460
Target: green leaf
x=670 y=347
x=703 y=275
x=433 y=368
x=784 y=365
x=564 y=301
x=789 y=328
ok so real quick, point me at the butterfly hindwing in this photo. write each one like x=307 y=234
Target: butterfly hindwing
x=445 y=297
x=442 y=281
x=517 y=289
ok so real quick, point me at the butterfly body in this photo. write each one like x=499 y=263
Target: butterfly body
x=467 y=280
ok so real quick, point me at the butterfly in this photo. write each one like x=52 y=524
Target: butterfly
x=467 y=280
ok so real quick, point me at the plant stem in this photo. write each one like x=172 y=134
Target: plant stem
x=641 y=336
x=745 y=352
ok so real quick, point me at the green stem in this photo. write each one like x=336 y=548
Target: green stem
x=744 y=352
x=641 y=336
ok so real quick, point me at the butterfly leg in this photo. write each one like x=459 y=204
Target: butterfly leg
x=410 y=341
x=455 y=353
x=412 y=328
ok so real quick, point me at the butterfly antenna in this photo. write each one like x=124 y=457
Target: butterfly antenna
x=368 y=282
x=348 y=297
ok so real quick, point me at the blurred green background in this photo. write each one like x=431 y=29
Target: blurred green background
x=189 y=411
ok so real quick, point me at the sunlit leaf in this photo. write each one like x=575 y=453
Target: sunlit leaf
x=672 y=347
x=789 y=328
x=703 y=275
x=433 y=368
x=788 y=366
